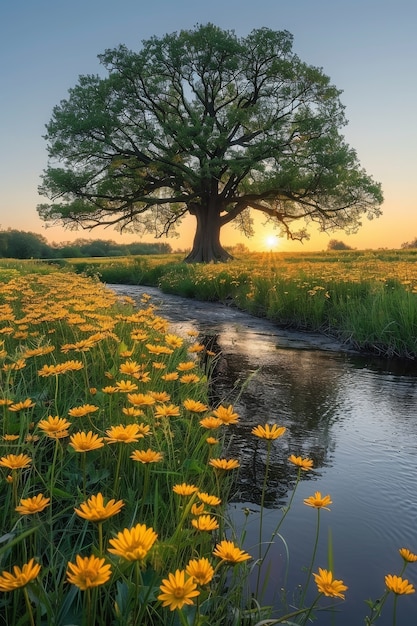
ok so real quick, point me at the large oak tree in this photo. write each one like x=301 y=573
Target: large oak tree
x=205 y=123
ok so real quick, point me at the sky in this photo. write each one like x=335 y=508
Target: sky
x=367 y=47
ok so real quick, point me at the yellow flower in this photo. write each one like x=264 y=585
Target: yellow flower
x=71 y=366
x=208 y=499
x=36 y=504
x=145 y=429
x=133 y=544
x=212 y=441
x=197 y=509
x=160 y=396
x=21 y=406
x=195 y=406
x=48 y=370
x=81 y=411
x=155 y=349
x=146 y=456
x=15 y=461
x=158 y=366
x=14 y=367
x=205 y=522
x=130 y=367
x=84 y=442
x=184 y=489
x=408 y=556
x=211 y=422
x=94 y=509
x=20 y=577
x=138 y=335
x=5 y=402
x=55 y=427
x=186 y=366
x=189 y=378
x=88 y=572
x=60 y=368
x=268 y=432
x=140 y=399
x=177 y=590
x=126 y=386
x=7 y=437
x=318 y=501
x=170 y=376
x=132 y=412
x=226 y=414
x=109 y=389
x=196 y=347
x=167 y=410
x=174 y=341
x=201 y=570
x=123 y=434
x=227 y=551
x=224 y=464
x=328 y=586
x=398 y=585
x=304 y=464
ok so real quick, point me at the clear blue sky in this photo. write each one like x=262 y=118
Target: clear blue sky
x=367 y=47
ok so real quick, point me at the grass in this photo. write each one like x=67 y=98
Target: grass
x=367 y=300
x=114 y=480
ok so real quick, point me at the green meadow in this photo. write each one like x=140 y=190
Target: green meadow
x=114 y=470
x=365 y=299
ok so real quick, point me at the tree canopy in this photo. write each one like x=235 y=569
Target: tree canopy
x=205 y=123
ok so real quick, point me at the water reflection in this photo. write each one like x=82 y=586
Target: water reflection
x=355 y=416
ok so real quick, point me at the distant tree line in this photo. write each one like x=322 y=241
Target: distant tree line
x=408 y=245
x=19 y=244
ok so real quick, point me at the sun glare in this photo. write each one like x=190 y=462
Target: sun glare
x=271 y=242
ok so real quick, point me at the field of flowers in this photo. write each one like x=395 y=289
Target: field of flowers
x=367 y=300
x=114 y=473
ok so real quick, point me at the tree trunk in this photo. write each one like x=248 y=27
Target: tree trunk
x=206 y=246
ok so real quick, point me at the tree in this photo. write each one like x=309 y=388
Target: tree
x=19 y=244
x=409 y=245
x=202 y=122
x=335 y=244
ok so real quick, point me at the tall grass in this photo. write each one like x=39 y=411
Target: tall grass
x=367 y=300
x=113 y=483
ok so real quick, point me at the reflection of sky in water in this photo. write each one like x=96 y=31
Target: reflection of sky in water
x=355 y=418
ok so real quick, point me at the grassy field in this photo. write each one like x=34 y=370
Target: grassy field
x=367 y=300
x=114 y=473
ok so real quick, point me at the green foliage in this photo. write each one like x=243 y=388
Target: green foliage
x=335 y=244
x=15 y=244
x=347 y=294
x=206 y=123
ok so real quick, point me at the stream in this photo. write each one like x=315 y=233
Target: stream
x=354 y=415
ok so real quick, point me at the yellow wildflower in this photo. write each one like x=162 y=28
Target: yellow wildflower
x=88 y=572
x=177 y=590
x=201 y=570
x=20 y=577
x=36 y=504
x=398 y=585
x=133 y=544
x=318 y=501
x=268 y=432
x=328 y=586
x=227 y=551
x=94 y=509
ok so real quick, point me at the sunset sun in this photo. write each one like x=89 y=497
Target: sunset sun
x=271 y=242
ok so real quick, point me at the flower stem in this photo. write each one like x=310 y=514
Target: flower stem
x=28 y=606
x=313 y=558
x=394 y=615
x=260 y=559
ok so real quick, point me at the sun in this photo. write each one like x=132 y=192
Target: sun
x=271 y=242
